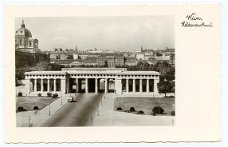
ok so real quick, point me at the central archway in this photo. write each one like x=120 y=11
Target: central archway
x=91 y=85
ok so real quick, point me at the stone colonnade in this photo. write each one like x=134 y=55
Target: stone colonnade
x=149 y=88
x=44 y=85
x=123 y=82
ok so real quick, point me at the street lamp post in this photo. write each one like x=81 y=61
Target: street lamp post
x=61 y=100
x=29 y=121
x=91 y=119
x=49 y=109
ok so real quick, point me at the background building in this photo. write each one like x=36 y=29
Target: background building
x=27 y=52
x=110 y=60
x=24 y=41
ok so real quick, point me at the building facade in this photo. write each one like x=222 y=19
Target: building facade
x=90 y=61
x=131 y=61
x=111 y=59
x=24 y=41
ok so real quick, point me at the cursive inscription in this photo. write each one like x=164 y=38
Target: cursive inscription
x=193 y=17
x=192 y=20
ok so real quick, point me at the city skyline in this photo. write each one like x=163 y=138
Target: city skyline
x=113 y=33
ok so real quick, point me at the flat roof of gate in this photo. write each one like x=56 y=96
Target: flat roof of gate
x=92 y=72
x=138 y=73
x=94 y=69
x=45 y=72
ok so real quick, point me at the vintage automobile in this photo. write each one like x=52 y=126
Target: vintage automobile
x=70 y=99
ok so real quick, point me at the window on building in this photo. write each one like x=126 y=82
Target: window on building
x=21 y=41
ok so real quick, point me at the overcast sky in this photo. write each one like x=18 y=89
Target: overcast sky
x=114 y=33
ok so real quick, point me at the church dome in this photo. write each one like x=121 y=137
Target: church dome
x=23 y=31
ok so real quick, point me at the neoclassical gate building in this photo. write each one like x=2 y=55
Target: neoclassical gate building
x=91 y=80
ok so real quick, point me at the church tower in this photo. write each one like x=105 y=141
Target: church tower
x=24 y=41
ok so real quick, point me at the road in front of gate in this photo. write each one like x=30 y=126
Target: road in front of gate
x=77 y=113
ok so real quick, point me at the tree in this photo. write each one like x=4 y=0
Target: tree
x=173 y=87
x=139 y=65
x=151 y=67
x=166 y=83
x=167 y=77
x=165 y=87
x=70 y=57
x=42 y=66
x=158 y=54
x=132 y=68
x=145 y=66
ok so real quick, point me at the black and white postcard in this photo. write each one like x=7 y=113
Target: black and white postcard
x=111 y=73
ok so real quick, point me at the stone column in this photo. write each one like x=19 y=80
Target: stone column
x=133 y=86
x=63 y=86
x=140 y=85
x=27 y=82
x=77 y=85
x=67 y=85
x=106 y=85
x=127 y=85
x=48 y=85
x=155 y=86
x=42 y=85
x=118 y=86
x=35 y=85
x=147 y=86
x=86 y=85
x=54 y=85
x=98 y=84
x=96 y=88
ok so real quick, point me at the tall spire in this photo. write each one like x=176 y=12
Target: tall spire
x=141 y=48
x=22 y=24
x=76 y=49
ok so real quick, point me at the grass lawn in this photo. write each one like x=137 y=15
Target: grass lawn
x=29 y=102
x=145 y=104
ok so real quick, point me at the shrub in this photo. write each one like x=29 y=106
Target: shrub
x=19 y=94
x=158 y=110
x=170 y=96
x=140 y=112
x=55 y=95
x=119 y=108
x=35 y=108
x=39 y=94
x=132 y=109
x=20 y=109
x=49 y=94
x=173 y=113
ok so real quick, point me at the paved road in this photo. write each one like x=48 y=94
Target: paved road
x=75 y=113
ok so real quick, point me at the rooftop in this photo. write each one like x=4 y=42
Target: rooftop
x=114 y=71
